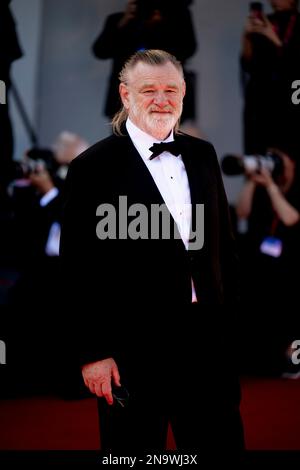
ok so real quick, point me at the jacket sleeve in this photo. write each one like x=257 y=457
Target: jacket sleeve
x=229 y=259
x=88 y=333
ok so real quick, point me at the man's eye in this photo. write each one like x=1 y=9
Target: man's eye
x=147 y=92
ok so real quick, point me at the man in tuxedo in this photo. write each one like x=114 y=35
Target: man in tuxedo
x=154 y=322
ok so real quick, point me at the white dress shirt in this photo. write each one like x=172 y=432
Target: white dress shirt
x=53 y=240
x=169 y=174
x=47 y=198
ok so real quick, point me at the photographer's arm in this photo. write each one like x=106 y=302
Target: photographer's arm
x=245 y=200
x=247 y=45
x=247 y=49
x=286 y=213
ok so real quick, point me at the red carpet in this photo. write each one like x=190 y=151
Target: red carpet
x=48 y=423
x=270 y=409
x=271 y=413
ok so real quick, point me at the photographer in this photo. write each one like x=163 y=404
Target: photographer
x=36 y=207
x=269 y=65
x=147 y=24
x=37 y=204
x=36 y=200
x=271 y=259
x=283 y=209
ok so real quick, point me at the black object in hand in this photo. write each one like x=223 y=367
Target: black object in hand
x=256 y=8
x=120 y=395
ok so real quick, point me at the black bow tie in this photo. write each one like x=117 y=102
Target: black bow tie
x=171 y=147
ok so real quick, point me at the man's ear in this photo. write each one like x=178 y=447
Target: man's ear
x=123 y=90
x=183 y=89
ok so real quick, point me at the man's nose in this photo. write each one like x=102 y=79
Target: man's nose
x=160 y=98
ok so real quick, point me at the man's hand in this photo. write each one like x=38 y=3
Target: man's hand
x=98 y=375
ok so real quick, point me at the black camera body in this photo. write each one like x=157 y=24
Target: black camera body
x=36 y=160
x=256 y=10
x=233 y=165
x=256 y=7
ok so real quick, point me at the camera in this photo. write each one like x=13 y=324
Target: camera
x=256 y=9
x=36 y=160
x=238 y=164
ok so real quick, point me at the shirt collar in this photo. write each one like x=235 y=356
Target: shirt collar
x=143 y=141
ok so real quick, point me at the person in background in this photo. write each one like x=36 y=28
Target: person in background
x=66 y=147
x=153 y=300
x=271 y=205
x=36 y=202
x=270 y=64
x=147 y=24
x=36 y=199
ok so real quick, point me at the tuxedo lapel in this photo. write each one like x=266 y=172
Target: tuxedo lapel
x=138 y=184
x=137 y=179
x=140 y=179
x=195 y=177
x=200 y=183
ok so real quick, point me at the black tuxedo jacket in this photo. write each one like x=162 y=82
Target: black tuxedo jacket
x=123 y=285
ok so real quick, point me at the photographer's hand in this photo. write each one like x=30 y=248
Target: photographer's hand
x=261 y=26
x=253 y=24
x=42 y=181
x=130 y=13
x=268 y=31
x=263 y=177
x=245 y=199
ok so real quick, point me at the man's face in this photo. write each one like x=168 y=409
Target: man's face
x=153 y=97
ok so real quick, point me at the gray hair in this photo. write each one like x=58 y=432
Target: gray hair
x=150 y=57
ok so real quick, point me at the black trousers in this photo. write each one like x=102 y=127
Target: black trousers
x=197 y=427
x=191 y=387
